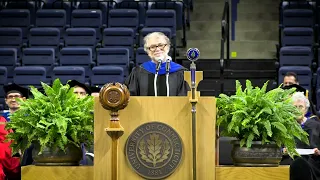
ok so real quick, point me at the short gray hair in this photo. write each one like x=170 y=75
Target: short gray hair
x=299 y=96
x=155 y=35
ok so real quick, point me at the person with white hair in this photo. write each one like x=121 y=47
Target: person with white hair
x=311 y=125
x=303 y=104
x=159 y=76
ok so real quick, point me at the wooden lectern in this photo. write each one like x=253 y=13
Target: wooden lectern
x=173 y=111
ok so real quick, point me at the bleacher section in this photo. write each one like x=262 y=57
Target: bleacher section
x=298 y=46
x=92 y=41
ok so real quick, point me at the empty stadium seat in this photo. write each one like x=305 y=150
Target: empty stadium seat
x=45 y=38
x=103 y=6
x=304 y=75
x=296 y=56
x=174 y=5
x=114 y=57
x=19 y=18
x=44 y=57
x=8 y=59
x=161 y=18
x=318 y=79
x=141 y=56
x=66 y=73
x=27 y=5
x=11 y=38
x=124 y=18
x=77 y=57
x=297 y=36
x=29 y=76
x=55 y=18
x=119 y=37
x=60 y=4
x=106 y=74
x=140 y=6
x=81 y=37
x=298 y=18
x=295 y=5
x=86 y=18
x=3 y=81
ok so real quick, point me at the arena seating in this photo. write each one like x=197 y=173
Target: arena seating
x=89 y=41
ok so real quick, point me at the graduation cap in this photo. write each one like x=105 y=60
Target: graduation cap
x=14 y=88
x=298 y=89
x=74 y=83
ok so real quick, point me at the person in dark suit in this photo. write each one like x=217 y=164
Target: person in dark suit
x=290 y=78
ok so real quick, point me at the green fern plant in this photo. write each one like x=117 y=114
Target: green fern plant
x=53 y=119
x=253 y=114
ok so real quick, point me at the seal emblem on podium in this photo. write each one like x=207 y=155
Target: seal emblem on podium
x=154 y=150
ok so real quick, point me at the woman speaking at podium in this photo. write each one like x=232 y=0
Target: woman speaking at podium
x=159 y=76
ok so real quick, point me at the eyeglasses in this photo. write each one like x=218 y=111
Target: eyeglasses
x=14 y=96
x=81 y=93
x=154 y=47
x=300 y=107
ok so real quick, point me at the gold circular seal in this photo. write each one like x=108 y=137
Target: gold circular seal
x=114 y=96
x=154 y=150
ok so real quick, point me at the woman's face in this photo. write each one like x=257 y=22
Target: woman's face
x=301 y=105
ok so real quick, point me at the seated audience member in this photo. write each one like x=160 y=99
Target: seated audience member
x=169 y=82
x=95 y=90
x=82 y=91
x=9 y=165
x=79 y=88
x=312 y=109
x=290 y=78
x=312 y=126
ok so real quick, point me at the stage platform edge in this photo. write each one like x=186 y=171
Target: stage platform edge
x=86 y=173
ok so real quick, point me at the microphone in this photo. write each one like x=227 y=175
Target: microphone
x=168 y=64
x=159 y=61
x=167 y=74
x=158 y=65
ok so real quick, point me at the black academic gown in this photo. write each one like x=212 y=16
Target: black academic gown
x=141 y=81
x=312 y=127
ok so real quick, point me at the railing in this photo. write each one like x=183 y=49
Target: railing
x=225 y=42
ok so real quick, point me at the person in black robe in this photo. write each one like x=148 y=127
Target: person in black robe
x=311 y=125
x=80 y=89
x=169 y=75
x=95 y=90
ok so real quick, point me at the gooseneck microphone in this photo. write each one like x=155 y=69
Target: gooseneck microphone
x=159 y=61
x=167 y=74
x=158 y=65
